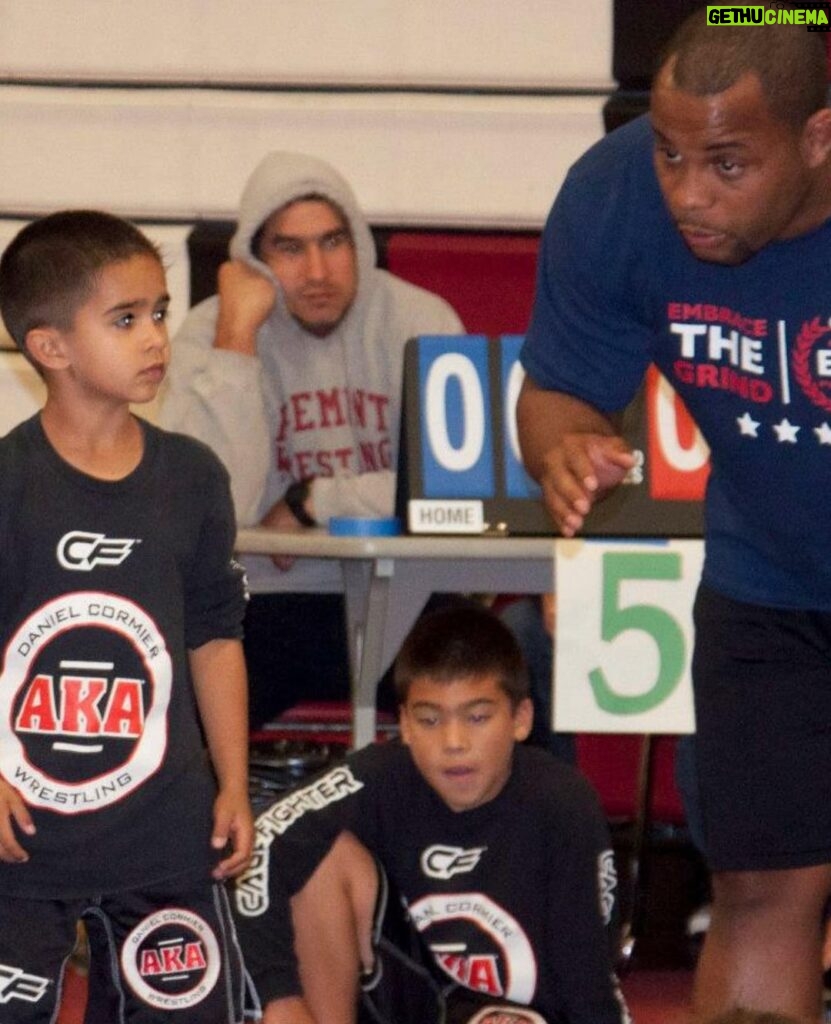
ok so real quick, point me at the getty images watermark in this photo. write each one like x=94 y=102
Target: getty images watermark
x=815 y=16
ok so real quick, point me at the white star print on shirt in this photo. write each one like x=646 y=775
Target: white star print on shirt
x=747 y=425
x=823 y=433
x=786 y=431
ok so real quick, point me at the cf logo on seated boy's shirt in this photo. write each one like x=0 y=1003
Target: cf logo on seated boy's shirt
x=83 y=551
x=446 y=861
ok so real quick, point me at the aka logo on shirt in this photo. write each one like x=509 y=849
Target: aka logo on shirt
x=84 y=693
x=477 y=943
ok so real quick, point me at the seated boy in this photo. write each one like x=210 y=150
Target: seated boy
x=499 y=852
x=120 y=623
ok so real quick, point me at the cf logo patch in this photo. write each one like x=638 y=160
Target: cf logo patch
x=17 y=984
x=171 y=959
x=83 y=551
x=447 y=861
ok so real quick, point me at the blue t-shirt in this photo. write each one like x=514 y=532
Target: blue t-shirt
x=747 y=347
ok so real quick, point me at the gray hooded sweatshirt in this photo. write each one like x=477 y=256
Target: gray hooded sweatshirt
x=305 y=406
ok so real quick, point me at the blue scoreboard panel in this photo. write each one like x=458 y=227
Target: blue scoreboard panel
x=460 y=468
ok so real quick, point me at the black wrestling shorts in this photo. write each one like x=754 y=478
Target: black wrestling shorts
x=762 y=683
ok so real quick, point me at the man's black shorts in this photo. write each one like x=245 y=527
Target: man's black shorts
x=762 y=682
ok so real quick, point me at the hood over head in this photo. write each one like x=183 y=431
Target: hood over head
x=278 y=180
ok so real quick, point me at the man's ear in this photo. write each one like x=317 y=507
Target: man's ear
x=816 y=138
x=46 y=347
x=523 y=720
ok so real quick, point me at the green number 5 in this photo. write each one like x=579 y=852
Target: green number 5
x=648 y=618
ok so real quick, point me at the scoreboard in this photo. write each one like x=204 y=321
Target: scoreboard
x=460 y=469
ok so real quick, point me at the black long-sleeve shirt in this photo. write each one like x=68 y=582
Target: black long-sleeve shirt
x=104 y=585
x=515 y=898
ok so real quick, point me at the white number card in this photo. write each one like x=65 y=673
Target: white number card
x=624 y=635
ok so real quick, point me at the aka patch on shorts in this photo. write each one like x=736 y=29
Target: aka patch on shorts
x=171 y=959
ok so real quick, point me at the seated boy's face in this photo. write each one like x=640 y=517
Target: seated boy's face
x=461 y=736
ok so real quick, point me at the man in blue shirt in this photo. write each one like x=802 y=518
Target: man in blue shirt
x=698 y=239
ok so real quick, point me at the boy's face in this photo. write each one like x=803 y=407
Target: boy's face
x=117 y=347
x=461 y=736
x=308 y=248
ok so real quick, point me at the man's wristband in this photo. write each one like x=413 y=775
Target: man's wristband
x=295 y=499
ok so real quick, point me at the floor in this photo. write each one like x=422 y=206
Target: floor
x=658 y=984
x=658 y=996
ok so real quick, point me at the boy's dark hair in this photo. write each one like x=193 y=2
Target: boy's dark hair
x=789 y=61
x=457 y=643
x=51 y=267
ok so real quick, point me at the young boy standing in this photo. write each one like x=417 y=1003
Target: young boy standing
x=120 y=619
x=499 y=851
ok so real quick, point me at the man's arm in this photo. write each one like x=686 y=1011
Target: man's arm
x=370 y=494
x=572 y=449
x=219 y=680
x=214 y=387
x=246 y=297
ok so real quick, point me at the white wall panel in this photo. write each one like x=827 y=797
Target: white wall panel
x=467 y=43
x=22 y=391
x=422 y=159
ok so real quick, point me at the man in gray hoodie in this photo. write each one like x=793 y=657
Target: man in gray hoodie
x=292 y=374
